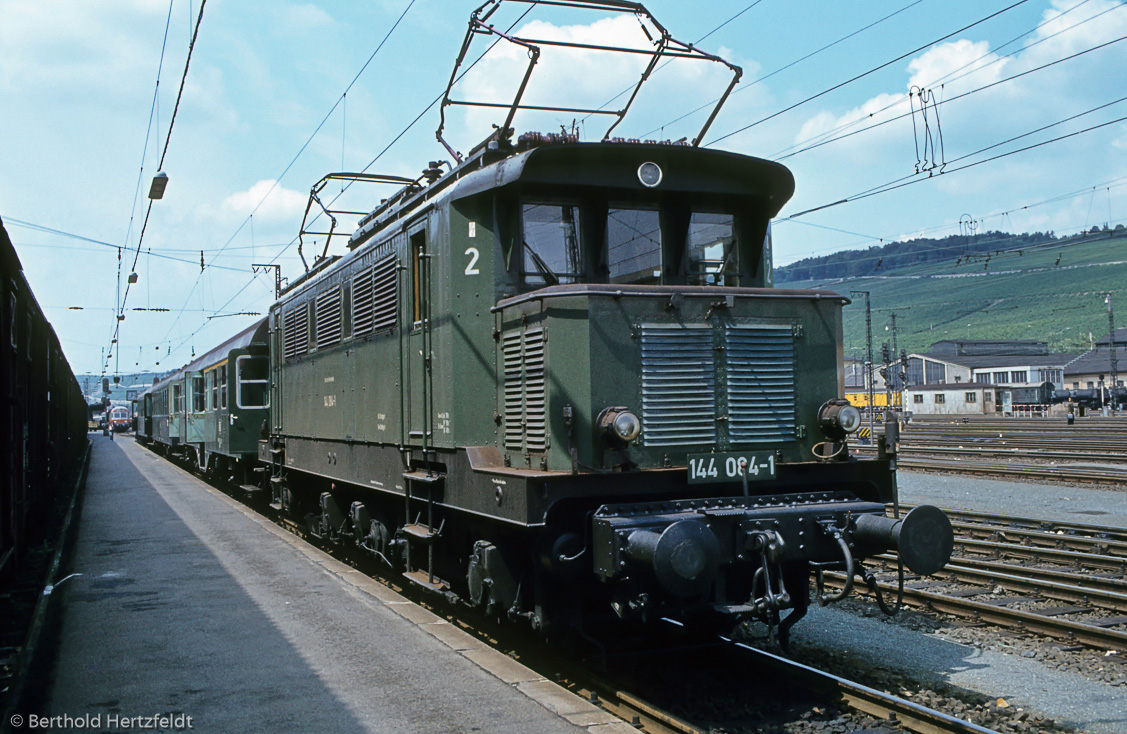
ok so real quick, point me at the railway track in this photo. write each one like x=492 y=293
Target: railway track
x=1067 y=581
x=1105 y=474
x=1039 y=449
x=845 y=702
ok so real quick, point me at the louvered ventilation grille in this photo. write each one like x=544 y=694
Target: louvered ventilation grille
x=297 y=331
x=760 y=366
x=362 y=302
x=535 y=409
x=328 y=318
x=678 y=385
x=525 y=409
x=384 y=294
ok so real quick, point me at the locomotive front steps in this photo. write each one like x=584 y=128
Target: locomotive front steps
x=426 y=580
x=420 y=532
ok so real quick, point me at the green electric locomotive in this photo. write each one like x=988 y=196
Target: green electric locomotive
x=553 y=381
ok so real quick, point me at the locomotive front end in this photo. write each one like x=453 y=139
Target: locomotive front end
x=707 y=424
x=683 y=413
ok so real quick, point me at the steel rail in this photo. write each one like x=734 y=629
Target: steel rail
x=1004 y=616
x=1102 y=598
x=1033 y=523
x=912 y=449
x=1088 y=634
x=1044 y=539
x=1074 y=558
x=910 y=715
x=1029 y=471
x=635 y=711
x=1069 y=578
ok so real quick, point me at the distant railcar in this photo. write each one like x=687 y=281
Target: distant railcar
x=120 y=419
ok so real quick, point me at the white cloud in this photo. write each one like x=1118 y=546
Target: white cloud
x=267 y=201
x=304 y=17
x=972 y=63
x=585 y=78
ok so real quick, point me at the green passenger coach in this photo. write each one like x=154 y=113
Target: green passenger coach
x=214 y=410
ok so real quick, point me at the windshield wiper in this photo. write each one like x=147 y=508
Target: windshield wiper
x=550 y=278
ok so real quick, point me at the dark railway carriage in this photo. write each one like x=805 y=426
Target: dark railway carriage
x=42 y=415
x=540 y=382
x=214 y=410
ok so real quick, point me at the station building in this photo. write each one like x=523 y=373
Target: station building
x=984 y=376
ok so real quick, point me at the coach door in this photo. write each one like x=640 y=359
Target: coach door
x=147 y=416
x=417 y=340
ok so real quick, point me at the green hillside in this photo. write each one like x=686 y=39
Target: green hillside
x=1052 y=291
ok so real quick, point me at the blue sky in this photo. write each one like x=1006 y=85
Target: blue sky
x=82 y=137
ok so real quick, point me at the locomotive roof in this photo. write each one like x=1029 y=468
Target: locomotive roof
x=557 y=160
x=609 y=165
x=253 y=334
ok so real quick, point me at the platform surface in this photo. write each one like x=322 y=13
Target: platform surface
x=189 y=604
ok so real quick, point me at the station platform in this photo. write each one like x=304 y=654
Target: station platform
x=191 y=609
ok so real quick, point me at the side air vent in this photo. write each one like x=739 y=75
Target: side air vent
x=362 y=302
x=678 y=385
x=328 y=318
x=374 y=297
x=525 y=394
x=759 y=361
x=384 y=294
x=297 y=331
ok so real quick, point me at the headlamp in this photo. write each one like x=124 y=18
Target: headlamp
x=837 y=419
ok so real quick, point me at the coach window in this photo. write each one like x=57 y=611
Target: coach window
x=209 y=388
x=712 y=250
x=634 y=246
x=197 y=394
x=177 y=398
x=222 y=387
x=550 y=252
x=252 y=383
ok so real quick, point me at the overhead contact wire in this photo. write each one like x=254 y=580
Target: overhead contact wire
x=865 y=74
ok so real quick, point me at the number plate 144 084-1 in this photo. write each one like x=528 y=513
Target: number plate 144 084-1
x=725 y=467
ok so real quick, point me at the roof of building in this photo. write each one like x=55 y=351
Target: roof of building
x=1098 y=361
x=1120 y=338
x=989 y=362
x=989 y=347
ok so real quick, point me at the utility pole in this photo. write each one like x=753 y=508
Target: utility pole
x=1111 y=349
x=277 y=275
x=899 y=383
x=868 y=354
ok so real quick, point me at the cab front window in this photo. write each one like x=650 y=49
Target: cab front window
x=713 y=257
x=550 y=253
x=634 y=246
